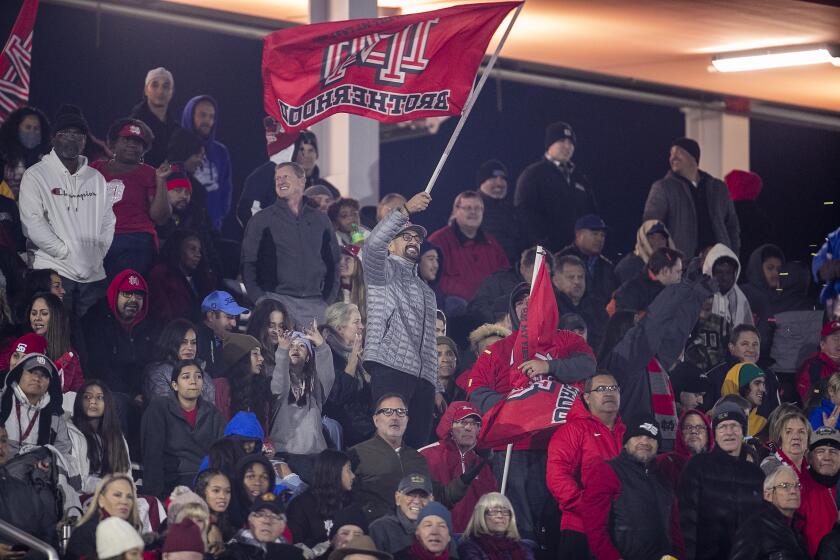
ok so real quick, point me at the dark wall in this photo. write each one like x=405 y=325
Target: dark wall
x=100 y=63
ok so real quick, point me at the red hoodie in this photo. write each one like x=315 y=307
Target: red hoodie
x=672 y=463
x=128 y=281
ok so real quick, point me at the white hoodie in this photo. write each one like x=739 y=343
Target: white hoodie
x=69 y=218
x=732 y=306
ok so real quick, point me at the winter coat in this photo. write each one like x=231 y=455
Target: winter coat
x=672 y=463
x=592 y=310
x=157 y=382
x=296 y=426
x=162 y=131
x=172 y=449
x=21 y=507
x=575 y=448
x=500 y=221
x=114 y=352
x=68 y=217
x=716 y=493
x=601 y=280
x=629 y=511
x=733 y=305
x=767 y=535
x=497 y=285
x=305 y=523
x=401 y=307
x=258 y=187
x=724 y=381
x=765 y=301
x=636 y=294
x=633 y=263
x=288 y=254
x=671 y=202
x=245 y=547
x=818 y=509
x=815 y=369
x=828 y=251
x=174 y=296
x=467 y=262
x=215 y=173
x=349 y=401
x=471 y=549
x=549 y=199
x=79 y=453
x=830 y=546
x=816 y=416
x=392 y=533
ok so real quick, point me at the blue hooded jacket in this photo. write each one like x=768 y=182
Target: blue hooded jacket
x=829 y=250
x=245 y=426
x=215 y=173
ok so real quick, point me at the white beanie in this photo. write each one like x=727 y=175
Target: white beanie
x=115 y=536
x=159 y=72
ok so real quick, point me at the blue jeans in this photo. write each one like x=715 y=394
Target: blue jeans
x=130 y=250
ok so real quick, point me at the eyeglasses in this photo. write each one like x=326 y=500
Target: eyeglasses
x=497 y=512
x=605 y=389
x=467 y=423
x=699 y=429
x=788 y=486
x=408 y=237
x=88 y=397
x=135 y=295
x=273 y=517
x=401 y=412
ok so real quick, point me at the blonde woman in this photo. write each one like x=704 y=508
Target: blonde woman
x=115 y=496
x=790 y=433
x=828 y=411
x=491 y=533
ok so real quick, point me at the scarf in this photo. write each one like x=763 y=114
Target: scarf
x=662 y=399
x=417 y=551
x=496 y=546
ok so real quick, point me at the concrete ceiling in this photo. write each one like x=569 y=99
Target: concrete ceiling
x=668 y=42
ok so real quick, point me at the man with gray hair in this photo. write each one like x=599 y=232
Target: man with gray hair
x=290 y=252
x=154 y=111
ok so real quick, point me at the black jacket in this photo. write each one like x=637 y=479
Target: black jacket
x=274 y=551
x=162 y=131
x=594 y=313
x=497 y=285
x=830 y=545
x=501 y=222
x=549 y=200
x=637 y=293
x=22 y=507
x=768 y=535
x=717 y=493
x=349 y=401
x=601 y=280
x=172 y=449
x=305 y=523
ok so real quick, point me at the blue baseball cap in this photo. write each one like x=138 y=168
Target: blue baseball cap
x=590 y=221
x=222 y=301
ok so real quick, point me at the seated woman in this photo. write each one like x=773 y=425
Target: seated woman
x=245 y=386
x=97 y=441
x=254 y=477
x=214 y=488
x=492 y=534
x=268 y=321
x=349 y=400
x=302 y=379
x=177 y=341
x=46 y=316
x=115 y=496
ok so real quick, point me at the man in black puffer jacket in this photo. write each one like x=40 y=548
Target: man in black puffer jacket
x=770 y=533
x=719 y=490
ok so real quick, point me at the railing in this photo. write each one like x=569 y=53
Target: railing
x=13 y=533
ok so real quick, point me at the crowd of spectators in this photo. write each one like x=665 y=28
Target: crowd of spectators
x=324 y=397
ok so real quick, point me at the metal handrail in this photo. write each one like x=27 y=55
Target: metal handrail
x=10 y=531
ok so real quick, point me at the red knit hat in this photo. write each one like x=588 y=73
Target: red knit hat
x=184 y=537
x=743 y=185
x=30 y=343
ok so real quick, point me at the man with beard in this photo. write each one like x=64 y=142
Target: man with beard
x=819 y=488
x=628 y=510
x=154 y=111
x=66 y=212
x=693 y=437
x=748 y=381
x=290 y=252
x=500 y=218
x=400 y=353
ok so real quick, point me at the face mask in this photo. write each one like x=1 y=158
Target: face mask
x=29 y=139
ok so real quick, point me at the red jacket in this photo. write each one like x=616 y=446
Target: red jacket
x=815 y=368
x=575 y=448
x=71 y=371
x=672 y=463
x=173 y=296
x=818 y=510
x=467 y=262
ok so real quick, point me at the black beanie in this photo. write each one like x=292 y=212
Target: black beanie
x=643 y=426
x=690 y=146
x=488 y=169
x=70 y=116
x=183 y=144
x=351 y=515
x=306 y=137
x=559 y=131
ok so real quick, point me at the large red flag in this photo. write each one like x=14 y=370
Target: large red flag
x=15 y=61
x=535 y=337
x=390 y=69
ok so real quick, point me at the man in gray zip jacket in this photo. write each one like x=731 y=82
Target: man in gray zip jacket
x=400 y=351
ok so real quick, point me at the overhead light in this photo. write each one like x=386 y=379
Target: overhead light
x=783 y=57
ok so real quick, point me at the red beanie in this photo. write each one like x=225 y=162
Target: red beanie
x=184 y=537
x=30 y=343
x=743 y=185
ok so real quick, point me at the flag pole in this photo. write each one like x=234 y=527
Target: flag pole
x=471 y=101
x=509 y=450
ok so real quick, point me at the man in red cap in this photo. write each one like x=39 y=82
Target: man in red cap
x=454 y=455
x=820 y=365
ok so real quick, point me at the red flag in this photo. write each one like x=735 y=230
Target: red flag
x=16 y=60
x=535 y=338
x=390 y=69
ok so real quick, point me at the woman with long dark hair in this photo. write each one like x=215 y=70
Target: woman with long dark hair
x=269 y=320
x=352 y=279
x=177 y=341
x=46 y=316
x=214 y=488
x=25 y=133
x=97 y=441
x=255 y=476
x=310 y=513
x=249 y=387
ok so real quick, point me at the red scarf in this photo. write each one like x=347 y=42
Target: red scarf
x=497 y=546
x=417 y=551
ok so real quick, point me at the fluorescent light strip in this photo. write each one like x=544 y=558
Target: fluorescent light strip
x=747 y=62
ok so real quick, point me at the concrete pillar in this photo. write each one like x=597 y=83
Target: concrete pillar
x=724 y=140
x=348 y=144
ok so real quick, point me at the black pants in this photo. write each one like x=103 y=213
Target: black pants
x=573 y=546
x=418 y=395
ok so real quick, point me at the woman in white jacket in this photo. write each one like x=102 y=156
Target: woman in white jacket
x=97 y=442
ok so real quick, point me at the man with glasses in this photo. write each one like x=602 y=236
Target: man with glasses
x=819 y=487
x=470 y=254
x=263 y=538
x=770 y=531
x=591 y=435
x=693 y=437
x=454 y=455
x=400 y=352
x=66 y=212
x=628 y=509
x=720 y=489
x=395 y=532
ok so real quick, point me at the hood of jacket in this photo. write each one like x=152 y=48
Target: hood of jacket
x=754 y=271
x=187 y=122
x=717 y=251
x=679 y=446
x=114 y=289
x=11 y=391
x=245 y=425
x=516 y=294
x=643 y=250
x=242 y=466
x=454 y=408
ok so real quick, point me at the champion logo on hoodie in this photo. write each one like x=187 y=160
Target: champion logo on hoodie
x=58 y=191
